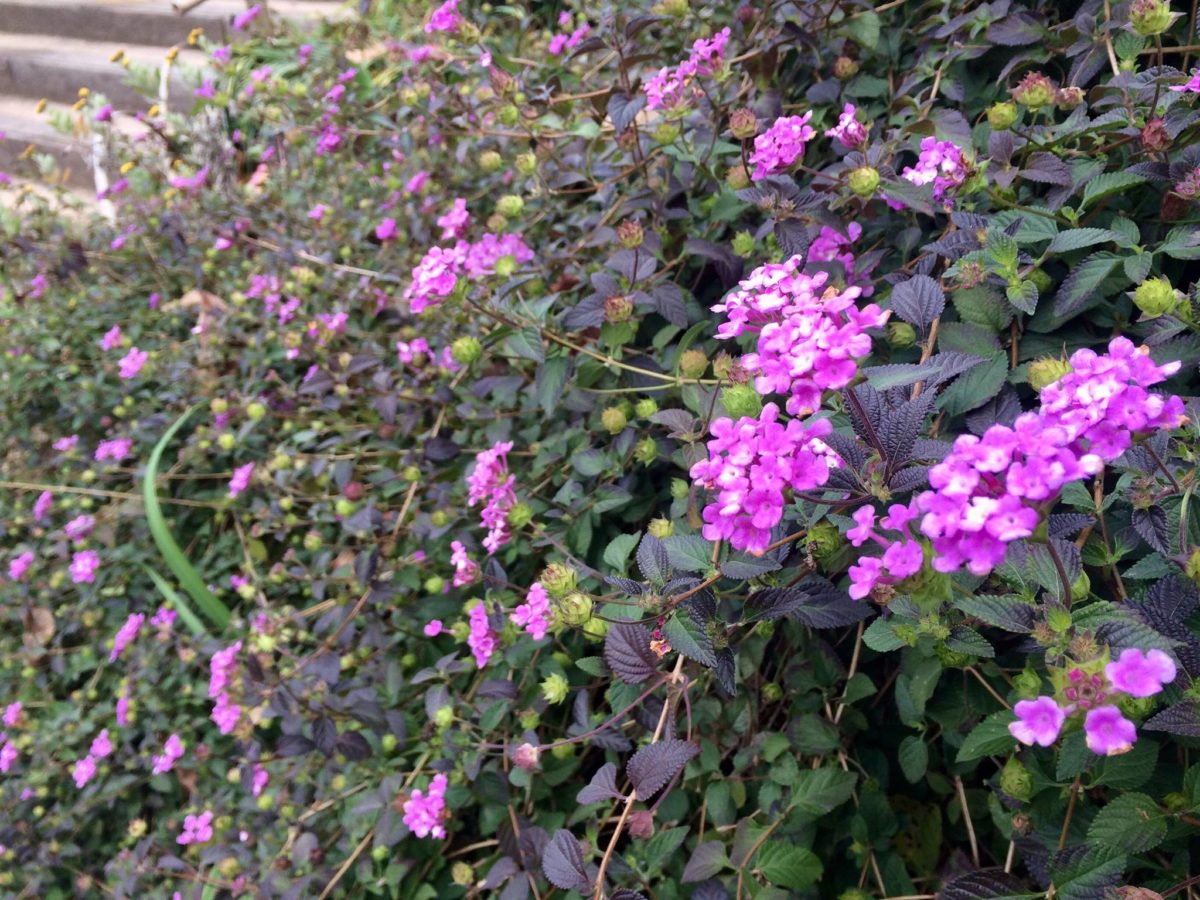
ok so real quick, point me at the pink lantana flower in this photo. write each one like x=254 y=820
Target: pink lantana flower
x=1038 y=721
x=132 y=362
x=1108 y=732
x=1141 y=674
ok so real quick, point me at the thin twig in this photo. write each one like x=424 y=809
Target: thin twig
x=962 y=799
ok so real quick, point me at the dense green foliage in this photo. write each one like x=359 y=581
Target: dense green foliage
x=705 y=718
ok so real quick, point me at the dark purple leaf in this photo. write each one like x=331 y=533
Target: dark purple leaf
x=982 y=885
x=1182 y=719
x=294 y=745
x=603 y=786
x=562 y=862
x=652 y=559
x=325 y=735
x=792 y=235
x=622 y=109
x=1152 y=525
x=440 y=449
x=707 y=860
x=627 y=652
x=653 y=766
x=1048 y=169
x=353 y=746
x=669 y=303
x=918 y=301
x=728 y=266
x=637 y=24
x=628 y=585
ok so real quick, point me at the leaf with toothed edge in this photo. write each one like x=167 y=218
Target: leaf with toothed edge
x=562 y=862
x=627 y=652
x=603 y=786
x=656 y=764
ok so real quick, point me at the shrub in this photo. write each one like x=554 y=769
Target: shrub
x=709 y=452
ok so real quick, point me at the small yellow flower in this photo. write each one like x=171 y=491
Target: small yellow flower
x=79 y=104
x=116 y=57
x=127 y=167
x=84 y=92
x=172 y=54
x=41 y=106
x=153 y=110
x=194 y=36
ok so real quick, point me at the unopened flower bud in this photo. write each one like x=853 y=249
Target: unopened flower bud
x=680 y=489
x=824 y=540
x=1155 y=297
x=466 y=350
x=617 y=309
x=693 y=363
x=667 y=133
x=901 y=335
x=645 y=451
x=444 y=717
x=574 y=609
x=645 y=408
x=641 y=824
x=743 y=123
x=434 y=584
x=1001 y=116
x=461 y=874
x=1150 y=17
x=736 y=177
x=1035 y=90
x=743 y=244
x=630 y=234
x=509 y=115
x=558 y=579
x=490 y=161
x=1046 y=371
x=1059 y=619
x=526 y=164
x=510 y=206
x=844 y=68
x=1155 y=136
x=1027 y=684
x=1016 y=780
x=661 y=528
x=519 y=515
x=772 y=692
x=741 y=400
x=1082 y=587
x=613 y=419
x=864 y=180
x=1067 y=98
x=555 y=688
x=526 y=757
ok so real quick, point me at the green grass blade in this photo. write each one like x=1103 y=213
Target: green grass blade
x=212 y=608
x=177 y=603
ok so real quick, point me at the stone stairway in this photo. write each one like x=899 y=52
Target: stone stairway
x=49 y=49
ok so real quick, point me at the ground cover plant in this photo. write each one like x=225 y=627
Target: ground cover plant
x=613 y=450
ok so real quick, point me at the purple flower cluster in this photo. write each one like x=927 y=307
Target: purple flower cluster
x=751 y=465
x=986 y=491
x=241 y=479
x=849 y=132
x=197 y=829
x=534 y=614
x=778 y=148
x=466 y=570
x=455 y=222
x=564 y=41
x=126 y=635
x=481 y=640
x=674 y=88
x=491 y=484
x=424 y=812
x=435 y=277
x=810 y=337
x=901 y=558
x=172 y=751
x=444 y=18
x=222 y=670
x=940 y=163
x=84 y=566
x=1134 y=673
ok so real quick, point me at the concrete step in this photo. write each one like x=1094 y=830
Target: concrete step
x=147 y=22
x=23 y=127
x=37 y=66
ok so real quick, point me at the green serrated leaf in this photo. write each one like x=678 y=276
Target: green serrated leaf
x=1078 y=238
x=689 y=552
x=1131 y=823
x=976 y=387
x=788 y=866
x=1109 y=183
x=616 y=554
x=686 y=637
x=988 y=737
x=914 y=758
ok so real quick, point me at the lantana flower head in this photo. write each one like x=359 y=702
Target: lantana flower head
x=424 y=811
x=779 y=147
